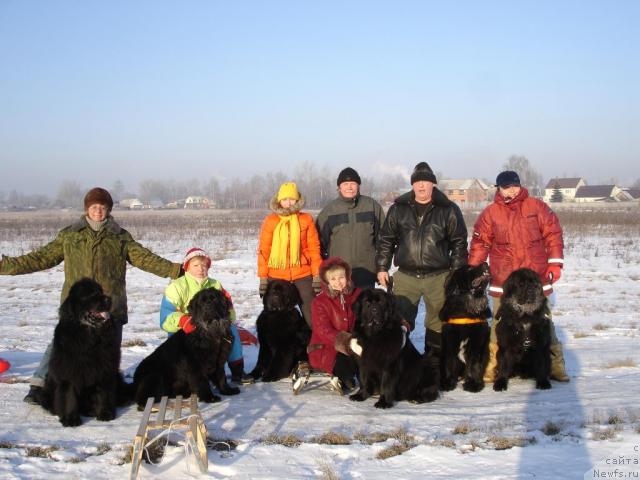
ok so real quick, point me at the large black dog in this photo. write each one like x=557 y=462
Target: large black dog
x=282 y=333
x=465 y=331
x=83 y=376
x=389 y=363
x=523 y=331
x=184 y=363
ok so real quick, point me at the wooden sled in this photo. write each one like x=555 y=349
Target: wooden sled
x=192 y=424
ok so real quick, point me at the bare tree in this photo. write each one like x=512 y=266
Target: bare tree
x=69 y=194
x=117 y=191
x=529 y=177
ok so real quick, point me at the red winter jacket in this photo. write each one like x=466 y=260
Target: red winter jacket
x=522 y=233
x=330 y=313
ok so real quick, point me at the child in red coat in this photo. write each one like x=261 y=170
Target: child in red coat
x=332 y=322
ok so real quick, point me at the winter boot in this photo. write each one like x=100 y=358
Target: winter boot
x=300 y=376
x=237 y=373
x=490 y=371
x=558 y=371
x=34 y=396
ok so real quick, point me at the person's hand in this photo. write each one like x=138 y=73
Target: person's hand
x=316 y=284
x=553 y=272
x=342 y=343
x=383 y=278
x=262 y=289
x=186 y=325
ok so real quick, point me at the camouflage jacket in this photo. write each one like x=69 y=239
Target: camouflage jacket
x=101 y=255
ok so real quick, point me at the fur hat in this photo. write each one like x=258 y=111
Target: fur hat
x=506 y=178
x=195 y=252
x=348 y=175
x=98 y=195
x=423 y=171
x=288 y=190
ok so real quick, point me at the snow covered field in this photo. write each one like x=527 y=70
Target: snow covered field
x=593 y=422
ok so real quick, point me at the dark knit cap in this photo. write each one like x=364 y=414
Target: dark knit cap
x=423 y=172
x=508 y=177
x=98 y=195
x=348 y=175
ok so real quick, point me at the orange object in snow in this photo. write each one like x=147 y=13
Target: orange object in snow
x=246 y=337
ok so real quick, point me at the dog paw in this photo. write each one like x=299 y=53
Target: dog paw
x=106 y=415
x=357 y=397
x=500 y=385
x=447 y=386
x=382 y=404
x=543 y=385
x=472 y=386
x=71 y=420
x=210 y=398
x=230 y=391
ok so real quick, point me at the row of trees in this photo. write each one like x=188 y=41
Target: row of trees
x=318 y=184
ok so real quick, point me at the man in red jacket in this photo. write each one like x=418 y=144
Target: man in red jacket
x=518 y=231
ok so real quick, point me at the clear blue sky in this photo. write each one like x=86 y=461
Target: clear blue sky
x=97 y=91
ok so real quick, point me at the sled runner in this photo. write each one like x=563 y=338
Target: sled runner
x=192 y=424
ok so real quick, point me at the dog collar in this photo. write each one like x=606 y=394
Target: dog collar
x=465 y=321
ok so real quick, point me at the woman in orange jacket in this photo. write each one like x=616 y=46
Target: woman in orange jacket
x=289 y=247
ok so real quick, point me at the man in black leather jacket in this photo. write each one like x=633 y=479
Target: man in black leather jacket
x=425 y=234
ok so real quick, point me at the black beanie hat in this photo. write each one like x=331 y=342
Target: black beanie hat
x=98 y=195
x=423 y=172
x=348 y=175
x=506 y=178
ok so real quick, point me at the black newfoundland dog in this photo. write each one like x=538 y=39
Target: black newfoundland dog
x=282 y=333
x=185 y=363
x=465 y=331
x=389 y=362
x=523 y=331
x=84 y=376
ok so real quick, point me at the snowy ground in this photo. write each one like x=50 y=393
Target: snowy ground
x=592 y=422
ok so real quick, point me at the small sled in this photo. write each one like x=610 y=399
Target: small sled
x=192 y=424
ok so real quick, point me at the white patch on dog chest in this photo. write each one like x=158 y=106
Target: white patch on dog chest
x=461 y=351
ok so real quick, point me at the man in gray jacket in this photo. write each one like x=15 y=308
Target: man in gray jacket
x=349 y=226
x=425 y=234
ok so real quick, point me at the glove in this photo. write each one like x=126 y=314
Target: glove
x=342 y=343
x=553 y=272
x=316 y=285
x=262 y=289
x=186 y=325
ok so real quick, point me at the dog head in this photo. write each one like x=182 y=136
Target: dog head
x=86 y=304
x=280 y=296
x=209 y=310
x=523 y=293
x=465 y=292
x=375 y=311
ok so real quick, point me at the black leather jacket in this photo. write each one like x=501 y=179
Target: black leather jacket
x=437 y=244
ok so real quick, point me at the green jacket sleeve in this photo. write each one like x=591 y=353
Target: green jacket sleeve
x=43 y=258
x=144 y=259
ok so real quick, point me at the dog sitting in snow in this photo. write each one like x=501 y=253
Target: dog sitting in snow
x=465 y=331
x=84 y=376
x=283 y=334
x=185 y=362
x=388 y=362
x=523 y=331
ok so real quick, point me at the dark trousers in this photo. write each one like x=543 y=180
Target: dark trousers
x=306 y=295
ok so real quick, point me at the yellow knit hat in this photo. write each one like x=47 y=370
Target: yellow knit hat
x=288 y=190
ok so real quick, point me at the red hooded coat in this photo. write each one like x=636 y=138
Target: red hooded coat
x=522 y=233
x=330 y=313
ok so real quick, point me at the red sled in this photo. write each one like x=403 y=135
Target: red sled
x=246 y=337
x=5 y=365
